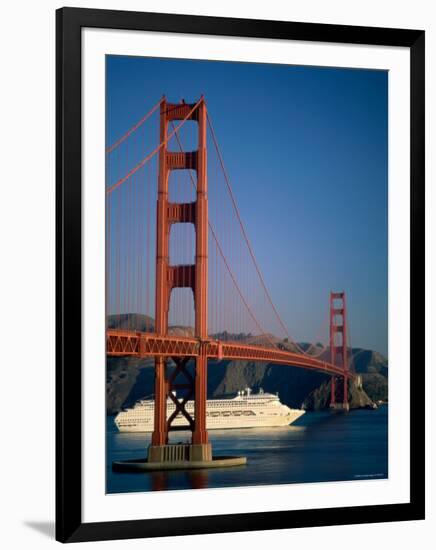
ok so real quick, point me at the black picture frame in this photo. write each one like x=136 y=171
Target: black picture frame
x=69 y=23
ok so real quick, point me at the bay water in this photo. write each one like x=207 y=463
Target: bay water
x=318 y=447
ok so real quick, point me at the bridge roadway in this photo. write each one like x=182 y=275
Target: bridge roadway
x=146 y=344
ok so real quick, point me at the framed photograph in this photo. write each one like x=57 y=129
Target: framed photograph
x=240 y=274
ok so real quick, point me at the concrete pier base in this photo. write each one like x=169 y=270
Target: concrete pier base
x=177 y=453
x=178 y=457
x=340 y=407
x=145 y=466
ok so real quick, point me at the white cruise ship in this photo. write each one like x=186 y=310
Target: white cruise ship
x=245 y=410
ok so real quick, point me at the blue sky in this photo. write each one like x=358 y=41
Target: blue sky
x=306 y=150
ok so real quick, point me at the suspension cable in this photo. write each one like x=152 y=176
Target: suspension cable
x=229 y=187
x=133 y=128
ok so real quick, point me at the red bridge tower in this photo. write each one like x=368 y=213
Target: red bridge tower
x=338 y=346
x=192 y=276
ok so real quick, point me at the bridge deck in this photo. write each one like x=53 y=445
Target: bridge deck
x=145 y=344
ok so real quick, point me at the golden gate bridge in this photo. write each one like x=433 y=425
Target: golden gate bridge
x=182 y=280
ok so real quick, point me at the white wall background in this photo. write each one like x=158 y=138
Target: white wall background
x=27 y=242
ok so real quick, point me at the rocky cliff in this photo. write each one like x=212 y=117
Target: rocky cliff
x=320 y=397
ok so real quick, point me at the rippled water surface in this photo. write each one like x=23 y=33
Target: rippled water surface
x=320 y=446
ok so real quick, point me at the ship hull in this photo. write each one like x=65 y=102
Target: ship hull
x=147 y=426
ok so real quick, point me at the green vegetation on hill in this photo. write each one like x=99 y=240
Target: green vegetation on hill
x=376 y=386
